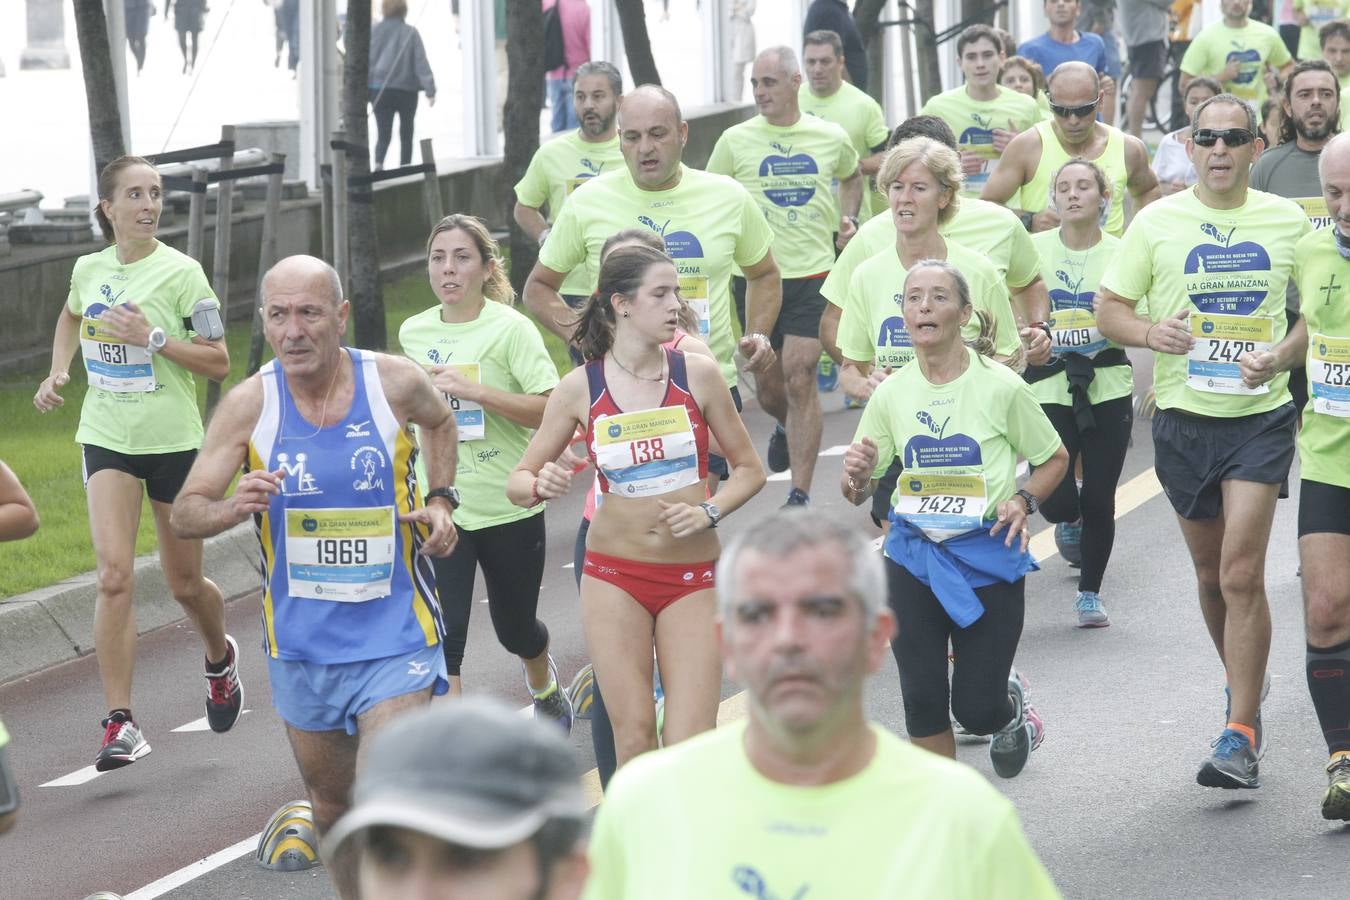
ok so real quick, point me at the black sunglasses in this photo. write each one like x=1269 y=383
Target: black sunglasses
x=1231 y=137
x=1067 y=111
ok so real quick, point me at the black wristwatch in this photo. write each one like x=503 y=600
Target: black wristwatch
x=714 y=514
x=1026 y=218
x=450 y=494
x=1030 y=500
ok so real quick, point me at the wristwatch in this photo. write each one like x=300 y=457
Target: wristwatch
x=1026 y=218
x=853 y=219
x=1030 y=500
x=157 y=340
x=449 y=494
x=714 y=514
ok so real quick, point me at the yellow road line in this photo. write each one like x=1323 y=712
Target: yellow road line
x=1129 y=496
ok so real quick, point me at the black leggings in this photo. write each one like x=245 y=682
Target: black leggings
x=1103 y=451
x=602 y=732
x=512 y=558
x=387 y=102
x=982 y=655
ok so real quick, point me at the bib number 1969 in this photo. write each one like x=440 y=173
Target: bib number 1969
x=342 y=551
x=644 y=451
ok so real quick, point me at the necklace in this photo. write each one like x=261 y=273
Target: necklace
x=323 y=411
x=661 y=377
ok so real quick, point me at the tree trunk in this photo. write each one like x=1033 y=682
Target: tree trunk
x=866 y=13
x=100 y=90
x=981 y=11
x=364 y=290
x=636 y=42
x=520 y=119
x=930 y=71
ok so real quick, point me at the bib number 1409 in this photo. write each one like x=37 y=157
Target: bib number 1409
x=644 y=451
x=342 y=551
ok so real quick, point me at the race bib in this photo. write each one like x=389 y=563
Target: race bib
x=1315 y=208
x=1329 y=374
x=648 y=453
x=1075 y=331
x=345 y=555
x=469 y=420
x=1212 y=364
x=694 y=290
x=113 y=365
x=942 y=506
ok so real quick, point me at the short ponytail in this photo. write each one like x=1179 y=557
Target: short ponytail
x=621 y=273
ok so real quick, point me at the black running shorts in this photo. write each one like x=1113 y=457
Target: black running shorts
x=163 y=473
x=1323 y=508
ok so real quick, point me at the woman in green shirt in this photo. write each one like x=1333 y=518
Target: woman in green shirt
x=490 y=362
x=146 y=321
x=1086 y=390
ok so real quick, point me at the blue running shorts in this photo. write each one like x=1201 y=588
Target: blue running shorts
x=315 y=696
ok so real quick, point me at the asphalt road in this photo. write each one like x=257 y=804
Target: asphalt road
x=1109 y=801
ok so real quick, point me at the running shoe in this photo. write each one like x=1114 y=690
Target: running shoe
x=1233 y=764
x=797 y=497
x=552 y=703
x=1257 y=726
x=224 y=691
x=123 y=743
x=852 y=403
x=1336 y=801
x=778 y=450
x=582 y=692
x=1091 y=613
x=1011 y=745
x=1069 y=542
x=827 y=375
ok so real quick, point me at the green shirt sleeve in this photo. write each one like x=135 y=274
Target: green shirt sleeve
x=755 y=237
x=532 y=189
x=721 y=162
x=1024 y=263
x=1011 y=868
x=531 y=366
x=194 y=287
x=1028 y=428
x=848 y=157
x=1279 y=54
x=565 y=247
x=1130 y=274
x=875 y=132
x=853 y=338
x=1196 y=61
x=875 y=423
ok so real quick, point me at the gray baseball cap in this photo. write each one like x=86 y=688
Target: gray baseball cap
x=471 y=772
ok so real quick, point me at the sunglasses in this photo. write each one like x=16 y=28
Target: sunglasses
x=1231 y=137
x=1068 y=111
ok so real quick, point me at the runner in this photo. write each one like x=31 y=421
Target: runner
x=1324 y=494
x=647 y=413
x=1171 y=164
x=1313 y=16
x=1311 y=105
x=987 y=228
x=18 y=520
x=1087 y=391
x=351 y=624
x=1026 y=77
x=1213 y=262
x=1237 y=51
x=826 y=94
x=709 y=224
x=1033 y=157
x=145 y=320
x=985 y=115
x=957 y=423
x=562 y=165
x=490 y=363
x=812 y=799
x=1334 y=42
x=787 y=162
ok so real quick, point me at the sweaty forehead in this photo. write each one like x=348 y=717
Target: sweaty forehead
x=644 y=111
x=1222 y=115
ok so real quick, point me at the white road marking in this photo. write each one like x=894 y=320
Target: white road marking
x=175 y=880
x=199 y=724
x=88 y=773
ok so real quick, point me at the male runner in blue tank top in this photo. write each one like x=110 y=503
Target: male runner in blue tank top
x=352 y=626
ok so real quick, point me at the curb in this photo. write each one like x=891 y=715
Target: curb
x=56 y=624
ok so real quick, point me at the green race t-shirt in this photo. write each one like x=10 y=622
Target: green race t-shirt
x=974 y=122
x=863 y=121
x=1324 y=441
x=1038 y=193
x=872 y=324
x=992 y=230
x=558 y=168
x=1255 y=46
x=910 y=824
x=502 y=349
x=1071 y=277
x=972 y=429
x=710 y=225
x=1228 y=268
x=138 y=402
x=789 y=171
x=1319 y=13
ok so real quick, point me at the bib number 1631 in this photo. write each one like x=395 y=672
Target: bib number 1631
x=647 y=450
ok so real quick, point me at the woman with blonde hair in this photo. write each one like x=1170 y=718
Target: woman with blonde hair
x=490 y=363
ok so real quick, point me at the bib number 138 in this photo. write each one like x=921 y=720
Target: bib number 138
x=644 y=451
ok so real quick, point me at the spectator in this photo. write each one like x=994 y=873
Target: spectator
x=187 y=21
x=138 y=14
x=1173 y=167
x=575 y=18
x=809 y=796
x=742 y=45
x=1287 y=26
x=461 y=797
x=833 y=15
x=398 y=69
x=286 y=15
x=1144 y=25
x=1063 y=42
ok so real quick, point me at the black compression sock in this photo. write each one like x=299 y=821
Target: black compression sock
x=1329 y=685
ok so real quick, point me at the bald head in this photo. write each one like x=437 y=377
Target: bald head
x=649 y=100
x=300 y=272
x=1073 y=80
x=780 y=60
x=1335 y=156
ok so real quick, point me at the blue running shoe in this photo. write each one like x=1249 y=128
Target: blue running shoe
x=797 y=497
x=1091 y=613
x=827 y=375
x=851 y=403
x=1233 y=763
x=1069 y=542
